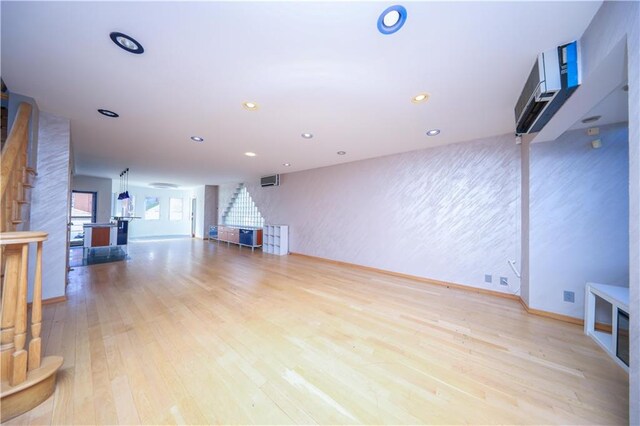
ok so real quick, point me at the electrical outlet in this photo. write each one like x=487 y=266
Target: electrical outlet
x=504 y=281
x=569 y=296
x=488 y=278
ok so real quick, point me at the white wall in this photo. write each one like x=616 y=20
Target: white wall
x=615 y=22
x=449 y=213
x=103 y=186
x=210 y=207
x=50 y=202
x=163 y=226
x=199 y=194
x=579 y=217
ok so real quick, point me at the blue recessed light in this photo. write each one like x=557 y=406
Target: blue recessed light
x=392 y=19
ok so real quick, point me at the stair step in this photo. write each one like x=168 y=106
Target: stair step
x=22 y=201
x=16 y=221
x=31 y=170
x=27 y=185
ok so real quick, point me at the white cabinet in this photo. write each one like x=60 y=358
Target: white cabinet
x=276 y=239
x=615 y=338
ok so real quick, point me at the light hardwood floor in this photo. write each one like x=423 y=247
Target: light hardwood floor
x=191 y=332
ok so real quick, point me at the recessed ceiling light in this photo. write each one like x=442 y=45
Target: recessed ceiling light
x=127 y=43
x=433 y=132
x=287 y=164
x=422 y=97
x=251 y=106
x=592 y=119
x=108 y=113
x=341 y=152
x=250 y=154
x=197 y=139
x=392 y=19
x=163 y=185
x=307 y=135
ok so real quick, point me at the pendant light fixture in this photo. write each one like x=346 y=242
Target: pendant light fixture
x=124 y=185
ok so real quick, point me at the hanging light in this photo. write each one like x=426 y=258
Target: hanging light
x=124 y=185
x=126 y=191
x=120 y=194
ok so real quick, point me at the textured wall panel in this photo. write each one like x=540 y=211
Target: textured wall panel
x=50 y=201
x=579 y=217
x=449 y=213
x=613 y=22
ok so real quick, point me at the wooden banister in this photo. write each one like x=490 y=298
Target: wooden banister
x=16 y=144
x=27 y=379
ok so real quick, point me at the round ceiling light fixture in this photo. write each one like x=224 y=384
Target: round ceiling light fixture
x=287 y=164
x=392 y=19
x=250 y=154
x=251 y=106
x=108 y=113
x=422 y=97
x=307 y=135
x=433 y=132
x=592 y=119
x=341 y=152
x=163 y=185
x=197 y=139
x=126 y=42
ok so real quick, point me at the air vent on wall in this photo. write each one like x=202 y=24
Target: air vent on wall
x=270 y=181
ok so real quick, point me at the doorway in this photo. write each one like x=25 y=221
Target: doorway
x=83 y=210
x=193 y=218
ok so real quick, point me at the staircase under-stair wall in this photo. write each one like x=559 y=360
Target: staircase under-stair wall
x=27 y=378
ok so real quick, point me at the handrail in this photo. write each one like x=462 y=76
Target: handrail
x=22 y=237
x=17 y=357
x=16 y=143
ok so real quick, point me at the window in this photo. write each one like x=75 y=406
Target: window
x=175 y=208
x=242 y=211
x=151 y=208
x=83 y=210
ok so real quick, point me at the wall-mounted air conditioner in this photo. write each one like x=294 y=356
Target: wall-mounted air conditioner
x=270 y=181
x=554 y=77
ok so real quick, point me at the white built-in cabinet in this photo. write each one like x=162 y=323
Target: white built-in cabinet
x=276 y=239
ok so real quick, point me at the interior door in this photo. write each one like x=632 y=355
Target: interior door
x=193 y=218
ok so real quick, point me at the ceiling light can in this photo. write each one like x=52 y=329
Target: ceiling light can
x=341 y=152
x=126 y=42
x=307 y=135
x=420 y=98
x=197 y=139
x=392 y=19
x=108 y=113
x=591 y=119
x=433 y=132
x=251 y=106
x=250 y=154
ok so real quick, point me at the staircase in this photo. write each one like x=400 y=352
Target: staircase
x=27 y=378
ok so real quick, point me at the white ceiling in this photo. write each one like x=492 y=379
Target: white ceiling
x=612 y=109
x=312 y=67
